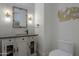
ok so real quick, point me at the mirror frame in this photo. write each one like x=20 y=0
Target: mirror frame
x=14 y=26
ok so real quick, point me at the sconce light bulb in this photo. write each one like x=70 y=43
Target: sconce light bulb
x=30 y=18
x=7 y=19
x=30 y=22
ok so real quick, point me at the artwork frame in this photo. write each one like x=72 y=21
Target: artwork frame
x=70 y=13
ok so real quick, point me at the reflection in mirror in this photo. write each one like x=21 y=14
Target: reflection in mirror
x=19 y=17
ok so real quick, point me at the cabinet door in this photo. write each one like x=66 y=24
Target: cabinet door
x=4 y=44
x=22 y=46
x=8 y=47
x=32 y=45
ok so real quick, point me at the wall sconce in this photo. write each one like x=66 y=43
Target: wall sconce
x=7 y=14
x=30 y=17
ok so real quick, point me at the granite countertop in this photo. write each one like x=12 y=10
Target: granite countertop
x=16 y=36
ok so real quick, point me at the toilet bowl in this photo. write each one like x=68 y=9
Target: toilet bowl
x=65 y=48
x=59 y=52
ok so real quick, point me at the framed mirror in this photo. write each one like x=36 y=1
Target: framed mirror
x=19 y=17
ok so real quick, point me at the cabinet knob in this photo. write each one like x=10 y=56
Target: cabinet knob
x=9 y=40
x=23 y=39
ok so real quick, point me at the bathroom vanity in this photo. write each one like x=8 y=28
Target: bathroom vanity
x=18 y=45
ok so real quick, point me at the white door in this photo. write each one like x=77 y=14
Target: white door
x=22 y=46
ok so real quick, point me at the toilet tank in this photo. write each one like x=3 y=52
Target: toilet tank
x=66 y=46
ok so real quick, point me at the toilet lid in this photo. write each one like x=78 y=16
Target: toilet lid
x=59 y=52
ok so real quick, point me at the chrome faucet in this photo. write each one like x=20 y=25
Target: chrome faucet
x=26 y=31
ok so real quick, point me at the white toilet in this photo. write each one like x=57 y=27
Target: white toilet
x=65 y=48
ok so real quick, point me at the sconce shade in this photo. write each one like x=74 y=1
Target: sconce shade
x=30 y=18
x=7 y=14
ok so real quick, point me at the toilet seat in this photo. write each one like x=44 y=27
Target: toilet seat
x=59 y=52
